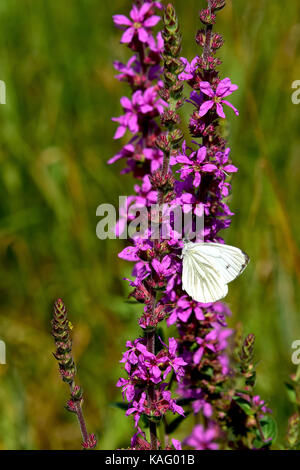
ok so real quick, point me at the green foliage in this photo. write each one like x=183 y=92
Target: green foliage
x=269 y=431
x=244 y=404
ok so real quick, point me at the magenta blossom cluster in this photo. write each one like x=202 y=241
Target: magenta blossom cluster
x=203 y=439
x=157 y=263
x=140 y=23
x=144 y=367
x=196 y=178
x=142 y=72
x=149 y=372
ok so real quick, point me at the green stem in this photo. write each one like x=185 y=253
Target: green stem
x=259 y=428
x=162 y=435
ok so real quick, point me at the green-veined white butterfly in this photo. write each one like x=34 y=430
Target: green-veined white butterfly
x=208 y=268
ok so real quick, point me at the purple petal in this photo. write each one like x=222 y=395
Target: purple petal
x=122 y=20
x=185 y=76
x=143 y=35
x=115 y=158
x=146 y=108
x=205 y=107
x=206 y=88
x=156 y=372
x=230 y=169
x=129 y=254
x=199 y=314
x=220 y=111
x=231 y=106
x=185 y=315
x=201 y=154
x=209 y=167
x=126 y=103
x=176 y=444
x=225 y=88
x=172 y=346
x=199 y=210
x=133 y=124
x=157 y=266
x=198 y=355
x=183 y=159
x=197 y=179
x=120 y=132
x=152 y=21
x=127 y=36
x=144 y=10
x=166 y=262
x=130 y=393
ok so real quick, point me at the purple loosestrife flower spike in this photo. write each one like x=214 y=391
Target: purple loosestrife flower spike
x=204 y=171
x=172 y=93
x=148 y=372
x=61 y=331
x=199 y=367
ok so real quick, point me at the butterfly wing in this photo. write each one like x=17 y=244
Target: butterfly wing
x=200 y=279
x=228 y=260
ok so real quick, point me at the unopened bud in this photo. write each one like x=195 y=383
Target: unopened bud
x=207 y=17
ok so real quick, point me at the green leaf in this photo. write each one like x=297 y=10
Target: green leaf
x=209 y=371
x=269 y=430
x=119 y=404
x=244 y=404
x=291 y=392
x=175 y=423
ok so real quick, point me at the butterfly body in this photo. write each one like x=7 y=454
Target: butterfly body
x=209 y=267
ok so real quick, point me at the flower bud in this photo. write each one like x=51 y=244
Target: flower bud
x=207 y=17
x=200 y=37
x=90 y=443
x=217 y=4
x=162 y=142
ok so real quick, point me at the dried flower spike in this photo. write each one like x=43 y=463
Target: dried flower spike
x=61 y=331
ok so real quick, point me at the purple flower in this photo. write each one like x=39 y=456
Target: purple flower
x=127 y=389
x=140 y=23
x=172 y=405
x=176 y=444
x=204 y=406
x=145 y=194
x=224 y=88
x=202 y=439
x=194 y=164
x=149 y=101
x=157 y=45
x=190 y=68
x=208 y=342
x=129 y=70
x=141 y=103
x=175 y=362
x=130 y=119
x=184 y=309
x=162 y=268
x=137 y=408
x=260 y=404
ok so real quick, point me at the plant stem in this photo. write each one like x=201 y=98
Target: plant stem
x=162 y=435
x=81 y=422
x=206 y=51
x=259 y=428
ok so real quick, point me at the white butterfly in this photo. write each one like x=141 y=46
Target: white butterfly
x=208 y=268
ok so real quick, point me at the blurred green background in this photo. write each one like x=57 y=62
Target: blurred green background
x=55 y=138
